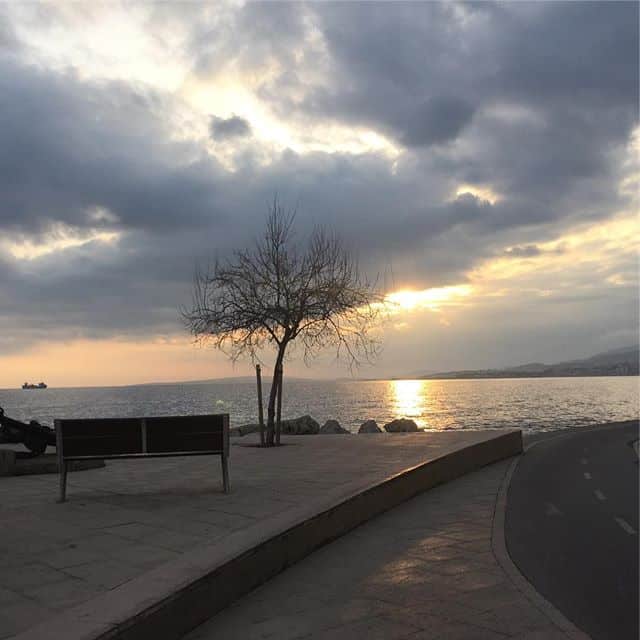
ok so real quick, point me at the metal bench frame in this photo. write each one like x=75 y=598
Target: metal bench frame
x=94 y=453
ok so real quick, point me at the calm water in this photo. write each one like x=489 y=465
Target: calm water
x=531 y=404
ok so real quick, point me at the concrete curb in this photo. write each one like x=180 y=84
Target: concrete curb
x=499 y=547
x=168 y=602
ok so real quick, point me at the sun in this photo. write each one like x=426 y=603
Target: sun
x=433 y=299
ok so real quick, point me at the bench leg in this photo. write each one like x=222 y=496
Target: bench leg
x=225 y=474
x=63 y=481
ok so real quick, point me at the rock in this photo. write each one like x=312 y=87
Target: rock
x=304 y=425
x=332 y=426
x=401 y=425
x=243 y=430
x=370 y=426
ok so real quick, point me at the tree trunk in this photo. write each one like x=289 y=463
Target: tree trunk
x=279 y=406
x=273 y=394
x=260 y=411
x=271 y=411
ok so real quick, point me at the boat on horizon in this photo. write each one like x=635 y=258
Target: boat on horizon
x=40 y=385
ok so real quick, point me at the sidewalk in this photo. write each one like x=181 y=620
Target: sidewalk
x=423 y=570
x=139 y=540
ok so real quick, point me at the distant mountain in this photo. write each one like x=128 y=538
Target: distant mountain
x=618 y=362
x=230 y=380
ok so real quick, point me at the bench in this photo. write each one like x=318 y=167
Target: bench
x=158 y=437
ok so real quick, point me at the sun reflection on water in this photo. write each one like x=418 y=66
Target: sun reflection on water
x=410 y=400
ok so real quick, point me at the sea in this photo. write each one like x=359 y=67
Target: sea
x=531 y=404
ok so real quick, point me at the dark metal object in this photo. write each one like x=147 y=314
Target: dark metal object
x=35 y=436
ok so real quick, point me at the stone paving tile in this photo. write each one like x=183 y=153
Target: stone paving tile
x=173 y=540
x=132 y=530
x=20 y=615
x=30 y=575
x=8 y=597
x=228 y=521
x=68 y=557
x=375 y=628
x=514 y=618
x=206 y=531
x=413 y=573
x=145 y=556
x=63 y=595
x=491 y=598
x=107 y=574
x=100 y=543
x=457 y=631
x=132 y=516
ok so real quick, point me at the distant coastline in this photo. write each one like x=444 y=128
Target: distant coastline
x=481 y=375
x=619 y=362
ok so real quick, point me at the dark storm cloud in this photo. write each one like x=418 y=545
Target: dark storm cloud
x=425 y=73
x=568 y=52
x=440 y=119
x=69 y=147
x=229 y=128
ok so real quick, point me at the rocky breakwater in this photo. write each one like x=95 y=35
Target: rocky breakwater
x=370 y=426
x=306 y=425
x=332 y=426
x=302 y=426
x=401 y=425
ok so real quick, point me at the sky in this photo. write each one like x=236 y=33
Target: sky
x=482 y=157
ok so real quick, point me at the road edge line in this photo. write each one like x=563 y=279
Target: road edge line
x=519 y=581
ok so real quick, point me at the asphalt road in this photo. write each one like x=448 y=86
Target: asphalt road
x=572 y=526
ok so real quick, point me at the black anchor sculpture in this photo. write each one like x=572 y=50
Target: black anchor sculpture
x=35 y=436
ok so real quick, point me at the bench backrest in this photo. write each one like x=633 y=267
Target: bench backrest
x=132 y=437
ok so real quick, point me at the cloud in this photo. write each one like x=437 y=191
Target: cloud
x=523 y=251
x=439 y=120
x=535 y=102
x=532 y=251
x=229 y=128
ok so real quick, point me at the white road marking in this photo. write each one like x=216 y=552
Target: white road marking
x=584 y=461
x=552 y=510
x=587 y=475
x=626 y=526
x=600 y=495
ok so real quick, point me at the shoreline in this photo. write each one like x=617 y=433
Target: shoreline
x=249 y=380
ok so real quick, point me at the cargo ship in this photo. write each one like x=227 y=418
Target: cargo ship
x=40 y=385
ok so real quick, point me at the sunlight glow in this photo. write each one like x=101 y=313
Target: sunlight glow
x=587 y=245
x=83 y=41
x=235 y=95
x=28 y=250
x=482 y=192
x=433 y=299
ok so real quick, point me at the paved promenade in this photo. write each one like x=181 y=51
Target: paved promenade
x=424 y=570
x=128 y=529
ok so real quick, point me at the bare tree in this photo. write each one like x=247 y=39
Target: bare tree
x=279 y=291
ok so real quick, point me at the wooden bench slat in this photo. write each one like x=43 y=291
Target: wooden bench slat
x=198 y=433
x=102 y=445
x=99 y=426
